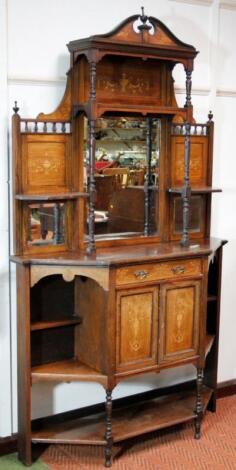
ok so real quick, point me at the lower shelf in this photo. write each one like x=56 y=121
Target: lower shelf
x=127 y=422
x=66 y=371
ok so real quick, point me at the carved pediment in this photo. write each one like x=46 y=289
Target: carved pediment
x=142 y=29
x=137 y=30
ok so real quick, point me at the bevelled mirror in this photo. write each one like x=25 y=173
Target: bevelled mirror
x=126 y=176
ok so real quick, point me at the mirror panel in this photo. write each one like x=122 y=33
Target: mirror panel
x=46 y=224
x=121 y=171
x=195 y=216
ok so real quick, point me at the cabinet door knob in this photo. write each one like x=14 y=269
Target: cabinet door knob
x=178 y=269
x=141 y=274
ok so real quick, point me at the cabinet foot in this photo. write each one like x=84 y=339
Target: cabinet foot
x=108 y=430
x=198 y=408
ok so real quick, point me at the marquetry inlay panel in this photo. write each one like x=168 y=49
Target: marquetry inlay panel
x=179 y=320
x=128 y=80
x=45 y=165
x=198 y=160
x=46 y=161
x=137 y=326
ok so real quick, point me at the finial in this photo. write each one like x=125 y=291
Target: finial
x=15 y=109
x=210 y=116
x=144 y=19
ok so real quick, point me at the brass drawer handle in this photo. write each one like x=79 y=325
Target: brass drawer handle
x=141 y=274
x=178 y=270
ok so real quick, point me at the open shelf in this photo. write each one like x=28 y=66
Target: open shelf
x=209 y=343
x=45 y=325
x=211 y=298
x=66 y=371
x=127 y=422
x=202 y=190
x=50 y=197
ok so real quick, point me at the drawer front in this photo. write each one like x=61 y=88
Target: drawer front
x=157 y=271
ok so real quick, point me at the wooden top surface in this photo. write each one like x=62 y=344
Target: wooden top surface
x=119 y=255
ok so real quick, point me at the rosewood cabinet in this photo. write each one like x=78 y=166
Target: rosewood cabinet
x=117 y=275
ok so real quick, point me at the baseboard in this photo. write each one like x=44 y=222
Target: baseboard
x=8 y=444
x=225 y=389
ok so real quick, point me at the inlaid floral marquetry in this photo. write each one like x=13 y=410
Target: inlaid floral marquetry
x=45 y=163
x=198 y=160
x=130 y=81
x=127 y=84
x=180 y=313
x=137 y=313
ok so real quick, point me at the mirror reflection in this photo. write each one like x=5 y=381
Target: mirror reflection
x=46 y=224
x=122 y=169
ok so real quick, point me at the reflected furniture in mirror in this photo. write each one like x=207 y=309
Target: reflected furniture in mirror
x=117 y=275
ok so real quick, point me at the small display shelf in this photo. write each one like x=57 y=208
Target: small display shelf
x=67 y=371
x=203 y=190
x=45 y=325
x=211 y=298
x=50 y=197
x=209 y=340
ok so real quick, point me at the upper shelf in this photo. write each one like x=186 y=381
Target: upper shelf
x=141 y=109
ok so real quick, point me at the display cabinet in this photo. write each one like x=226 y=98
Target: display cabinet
x=116 y=272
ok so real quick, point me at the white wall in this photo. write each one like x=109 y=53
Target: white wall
x=33 y=62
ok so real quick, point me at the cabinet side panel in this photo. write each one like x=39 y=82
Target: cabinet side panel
x=17 y=183
x=23 y=366
x=90 y=336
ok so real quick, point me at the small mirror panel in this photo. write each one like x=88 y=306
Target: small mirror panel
x=46 y=224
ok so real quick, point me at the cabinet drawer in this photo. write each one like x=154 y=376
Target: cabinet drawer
x=157 y=271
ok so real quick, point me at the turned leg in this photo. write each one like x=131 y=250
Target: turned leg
x=108 y=431
x=199 y=404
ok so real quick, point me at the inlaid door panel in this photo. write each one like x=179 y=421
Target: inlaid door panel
x=179 y=320
x=137 y=311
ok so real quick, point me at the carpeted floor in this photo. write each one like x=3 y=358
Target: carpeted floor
x=175 y=449
x=10 y=462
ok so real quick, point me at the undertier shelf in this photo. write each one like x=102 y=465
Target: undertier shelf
x=67 y=371
x=127 y=422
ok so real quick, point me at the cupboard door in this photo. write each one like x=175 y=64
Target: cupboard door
x=137 y=311
x=179 y=320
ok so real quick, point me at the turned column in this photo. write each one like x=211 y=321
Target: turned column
x=92 y=150
x=199 y=409
x=148 y=178
x=186 y=192
x=188 y=84
x=108 y=430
